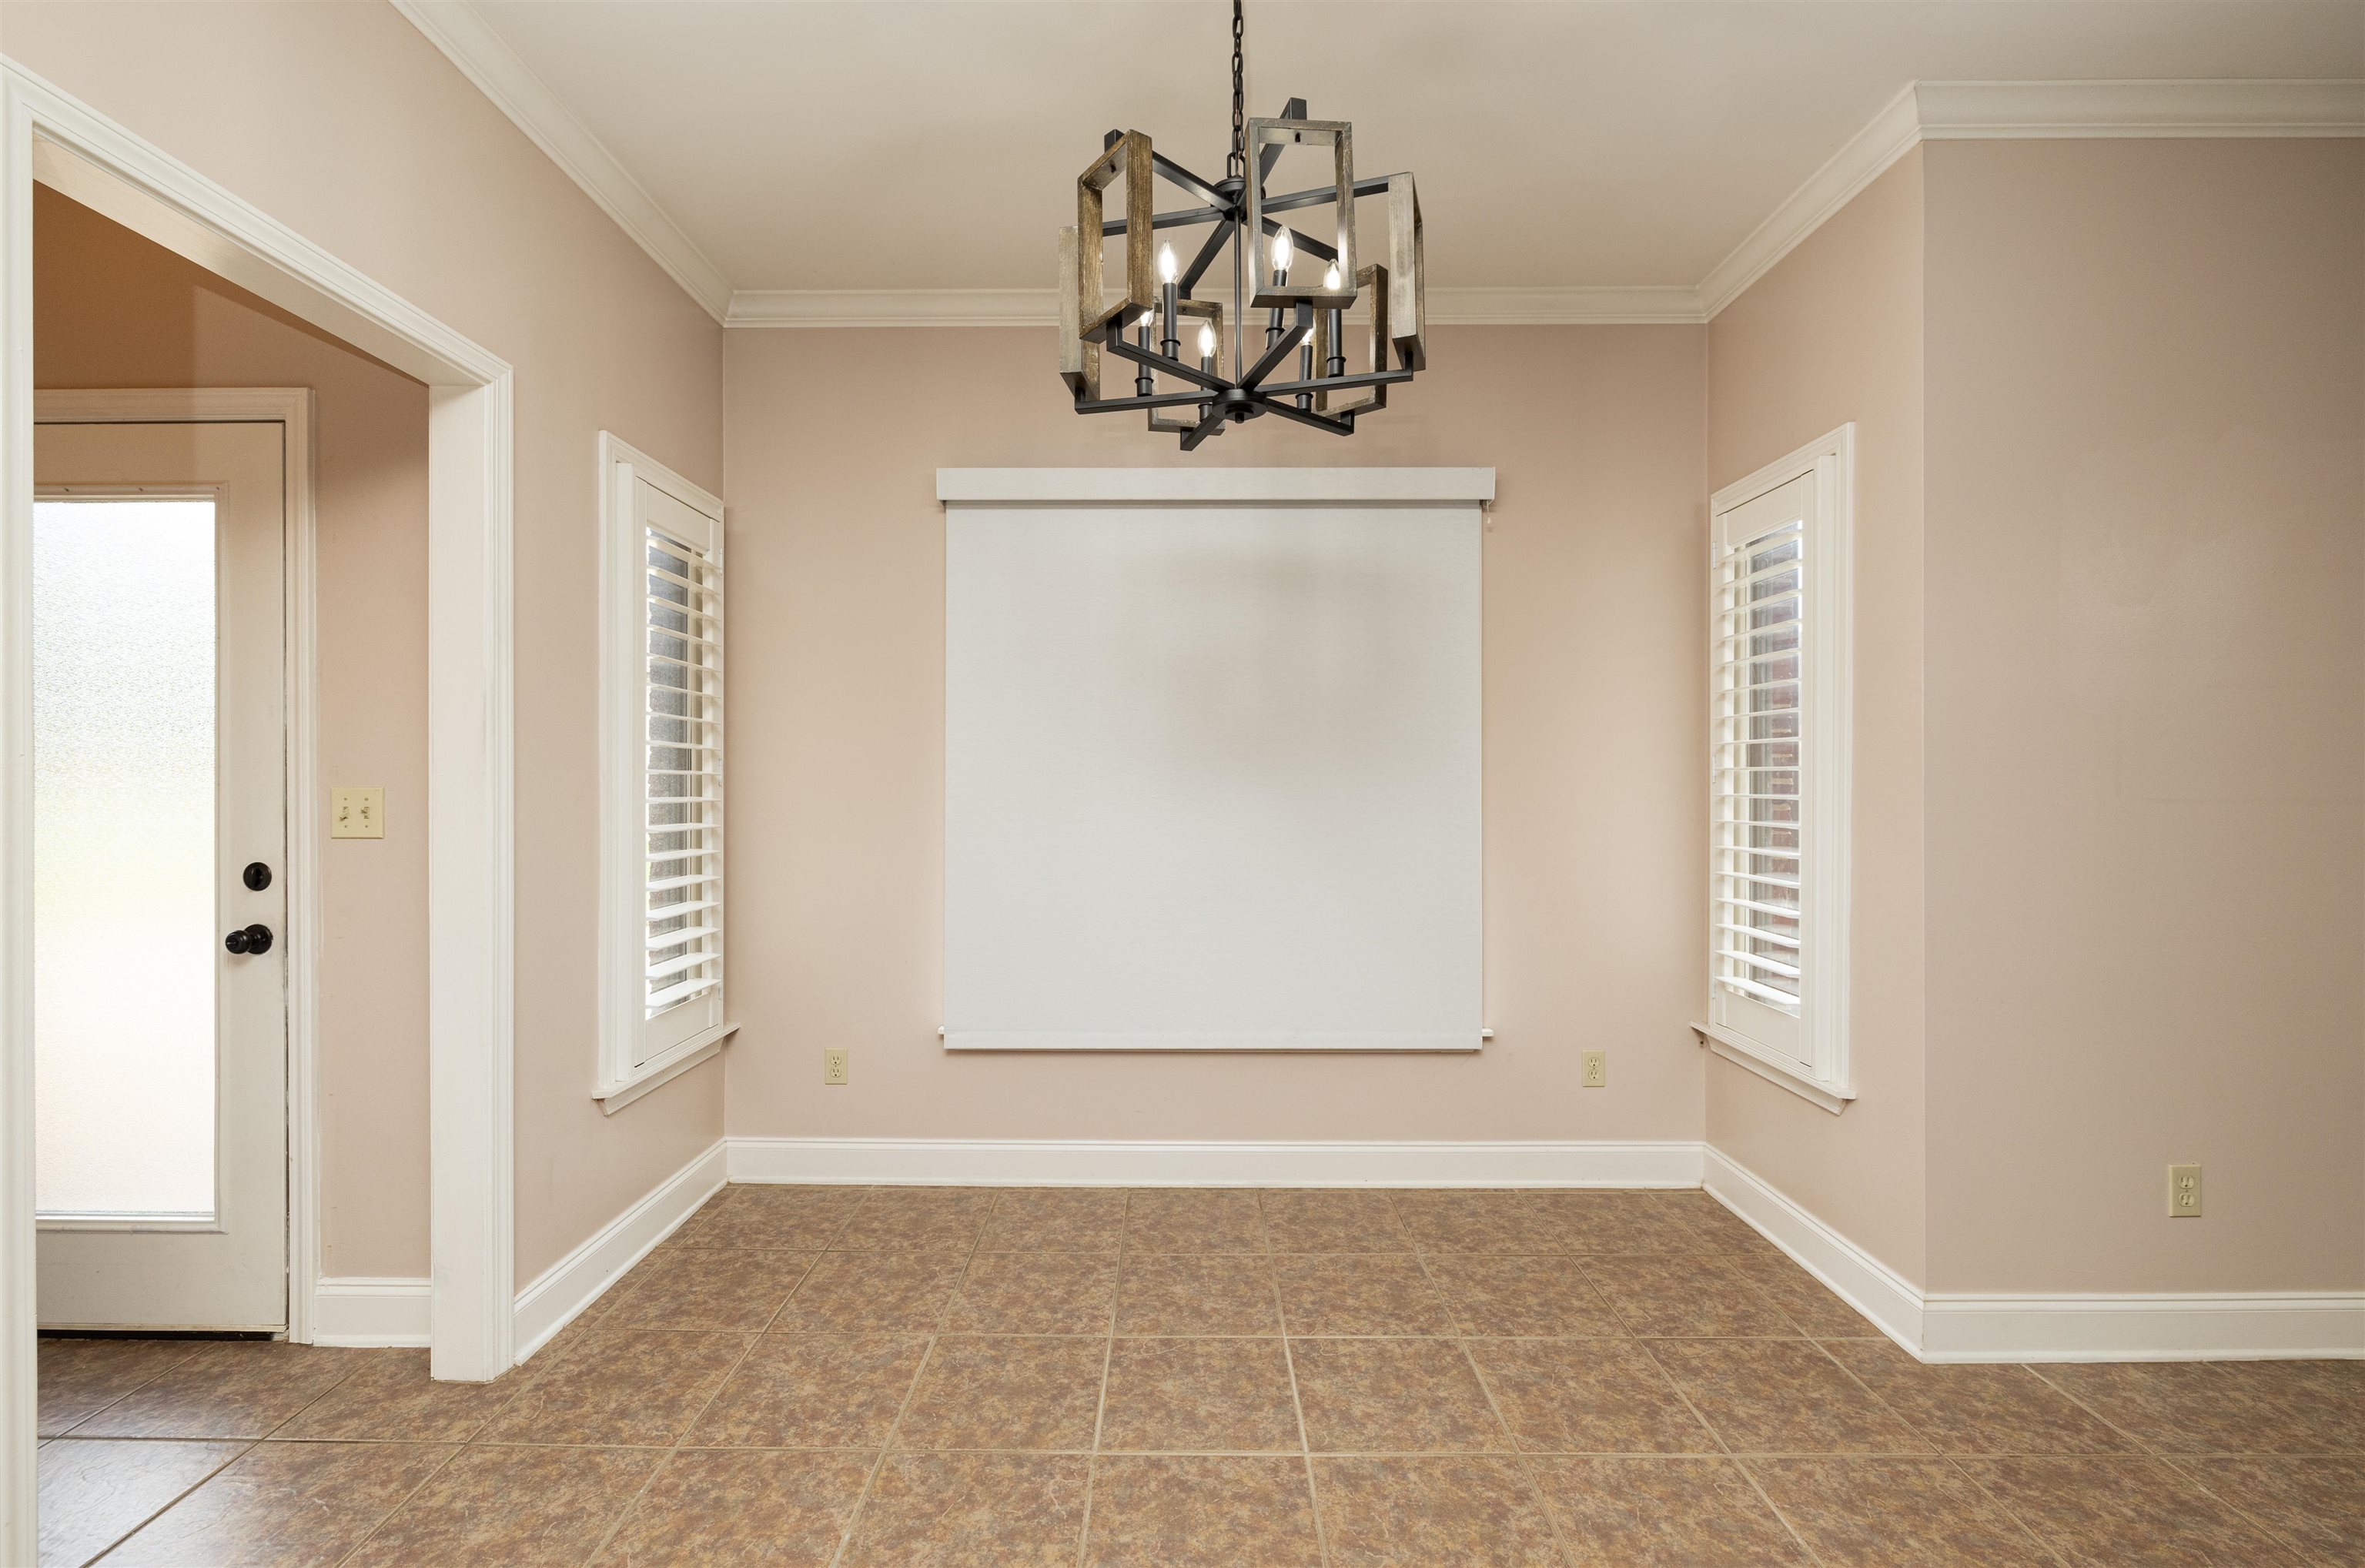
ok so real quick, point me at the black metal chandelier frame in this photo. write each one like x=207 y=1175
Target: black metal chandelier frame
x=1145 y=326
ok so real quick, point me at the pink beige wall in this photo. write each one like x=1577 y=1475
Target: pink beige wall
x=342 y=122
x=112 y=310
x=2147 y=713
x=1594 y=799
x=1833 y=333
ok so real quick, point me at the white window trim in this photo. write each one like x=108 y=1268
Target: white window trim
x=1830 y=759
x=624 y=907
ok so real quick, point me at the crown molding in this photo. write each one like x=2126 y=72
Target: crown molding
x=1040 y=307
x=1967 y=111
x=485 y=59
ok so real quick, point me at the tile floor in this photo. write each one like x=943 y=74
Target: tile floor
x=1167 y=1378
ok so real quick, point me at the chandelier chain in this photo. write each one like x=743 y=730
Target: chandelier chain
x=1236 y=165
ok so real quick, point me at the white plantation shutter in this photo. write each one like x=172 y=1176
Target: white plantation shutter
x=662 y=902
x=683 y=785
x=1778 y=636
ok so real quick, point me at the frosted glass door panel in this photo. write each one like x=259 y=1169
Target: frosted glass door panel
x=124 y=947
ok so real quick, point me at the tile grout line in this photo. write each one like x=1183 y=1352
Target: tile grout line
x=2149 y=1452
x=624 y=1515
x=177 y=1498
x=1946 y=1456
x=90 y=1415
x=1108 y=1355
x=919 y=1375
x=1520 y=1456
x=1296 y=1401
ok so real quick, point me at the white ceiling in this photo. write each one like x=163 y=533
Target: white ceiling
x=931 y=144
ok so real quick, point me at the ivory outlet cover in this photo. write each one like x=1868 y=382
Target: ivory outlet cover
x=357 y=812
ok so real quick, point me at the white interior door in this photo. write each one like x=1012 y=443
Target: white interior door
x=160 y=778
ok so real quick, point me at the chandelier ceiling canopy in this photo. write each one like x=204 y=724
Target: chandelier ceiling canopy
x=1304 y=284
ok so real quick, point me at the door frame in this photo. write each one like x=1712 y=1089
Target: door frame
x=291 y=408
x=49 y=135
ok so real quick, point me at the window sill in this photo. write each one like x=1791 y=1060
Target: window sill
x=1737 y=1049
x=664 y=1070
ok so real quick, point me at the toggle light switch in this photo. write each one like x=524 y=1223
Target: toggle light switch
x=357 y=812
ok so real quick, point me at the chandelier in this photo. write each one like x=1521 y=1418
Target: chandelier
x=1305 y=284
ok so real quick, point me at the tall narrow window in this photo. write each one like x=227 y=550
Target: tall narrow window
x=662 y=801
x=1778 y=755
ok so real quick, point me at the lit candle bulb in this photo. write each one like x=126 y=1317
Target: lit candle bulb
x=1208 y=349
x=1280 y=249
x=1330 y=278
x=1170 y=345
x=1335 y=363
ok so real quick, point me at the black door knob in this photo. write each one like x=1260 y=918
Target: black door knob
x=257 y=876
x=253 y=939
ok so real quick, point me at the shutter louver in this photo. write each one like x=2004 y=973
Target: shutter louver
x=683 y=775
x=1758 y=821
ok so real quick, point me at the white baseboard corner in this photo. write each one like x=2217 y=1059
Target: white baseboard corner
x=1941 y=1326
x=575 y=1281
x=976 y=1162
x=358 y=1311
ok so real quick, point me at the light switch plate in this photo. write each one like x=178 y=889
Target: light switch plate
x=357 y=812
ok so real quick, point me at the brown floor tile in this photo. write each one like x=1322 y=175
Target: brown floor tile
x=1805 y=1300
x=1587 y=1396
x=1333 y=1221
x=1179 y=1294
x=1990 y=1409
x=1187 y=1219
x=1358 y=1293
x=1715 y=1228
x=81 y=1377
x=972 y=1510
x=1683 y=1294
x=620 y=1385
x=1895 y=1513
x=285 y=1504
x=1504 y=1224
x=1171 y=1512
x=2192 y=1406
x=741 y=1510
x=1523 y=1296
x=1056 y=1219
x=391 y=1399
x=1036 y=1293
x=2317 y=1505
x=917 y=1219
x=1396 y=1513
x=873 y=1293
x=705 y=1287
x=789 y=1219
x=520 y=1507
x=1392 y=1396
x=225 y=1389
x=2326 y=1398
x=93 y=1493
x=1004 y=1392
x=801 y=1390
x=1614 y=1225
x=1664 y=1513
x=1192 y=1396
x=2123 y=1513
x=1782 y=1396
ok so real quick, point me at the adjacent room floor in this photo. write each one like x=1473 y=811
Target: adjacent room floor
x=1163 y=1378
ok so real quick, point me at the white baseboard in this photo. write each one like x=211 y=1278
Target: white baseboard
x=361 y=1310
x=2232 y=1326
x=1095 y=1162
x=575 y=1282
x=1863 y=1282
x=2236 y=1326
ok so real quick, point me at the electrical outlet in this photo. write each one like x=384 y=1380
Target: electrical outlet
x=833 y=1065
x=2184 y=1192
x=1596 y=1070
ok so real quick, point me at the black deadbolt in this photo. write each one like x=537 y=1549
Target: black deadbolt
x=257 y=876
x=253 y=939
